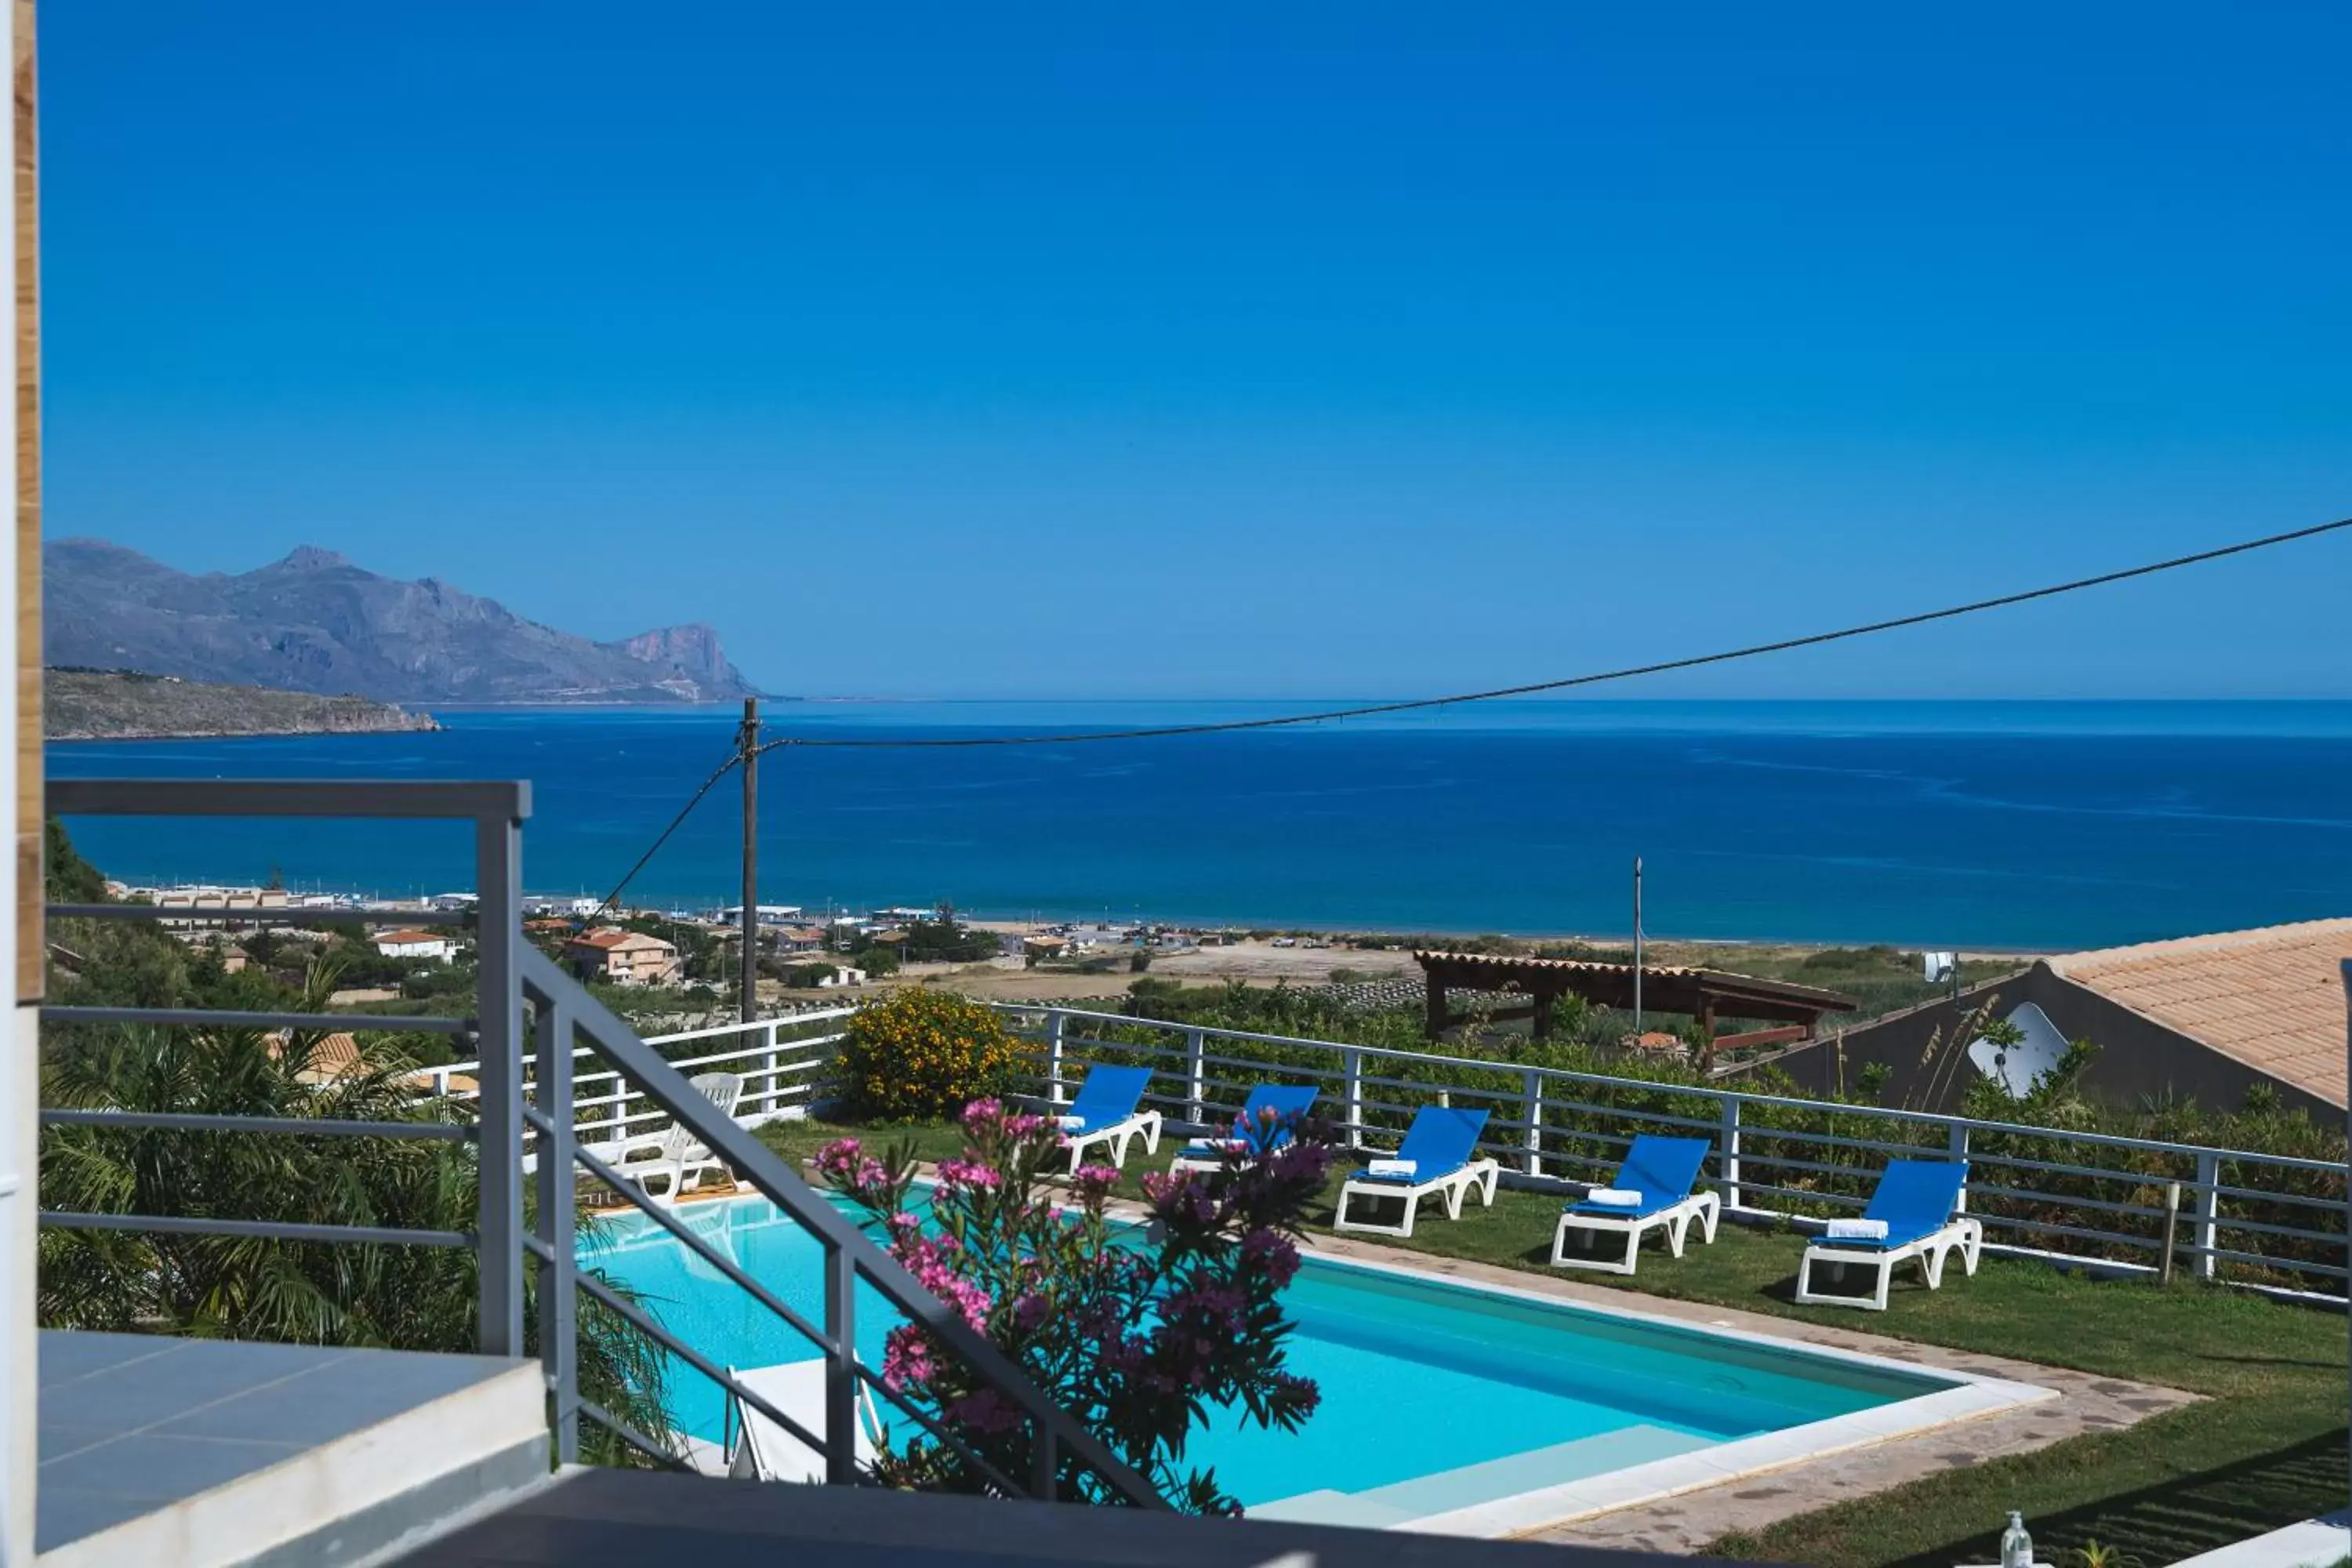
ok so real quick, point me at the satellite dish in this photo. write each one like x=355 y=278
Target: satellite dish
x=1937 y=967
x=2016 y=1067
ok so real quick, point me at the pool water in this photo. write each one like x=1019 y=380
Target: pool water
x=1435 y=1396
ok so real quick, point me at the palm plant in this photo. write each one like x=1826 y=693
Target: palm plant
x=405 y=1297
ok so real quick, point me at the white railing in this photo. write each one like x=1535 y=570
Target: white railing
x=2086 y=1199
x=779 y=1060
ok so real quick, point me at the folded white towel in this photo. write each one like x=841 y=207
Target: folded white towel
x=1217 y=1146
x=1614 y=1197
x=1070 y=1124
x=1857 y=1230
x=1391 y=1167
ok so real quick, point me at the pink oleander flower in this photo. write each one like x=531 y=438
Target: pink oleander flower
x=980 y=1112
x=972 y=1174
x=1025 y=1126
x=985 y=1410
x=1274 y=1252
x=1030 y=1311
x=1299 y=1162
x=1092 y=1181
x=907 y=1362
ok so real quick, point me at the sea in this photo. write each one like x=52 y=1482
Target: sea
x=2031 y=826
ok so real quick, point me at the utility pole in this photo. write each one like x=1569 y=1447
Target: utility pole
x=748 y=747
x=1637 y=947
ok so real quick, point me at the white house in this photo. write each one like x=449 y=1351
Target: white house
x=416 y=944
x=763 y=914
x=842 y=975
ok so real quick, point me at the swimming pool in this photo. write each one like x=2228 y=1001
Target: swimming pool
x=1450 y=1406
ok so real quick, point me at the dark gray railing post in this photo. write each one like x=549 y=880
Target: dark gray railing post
x=840 y=1368
x=1044 y=1465
x=557 y=1297
x=498 y=871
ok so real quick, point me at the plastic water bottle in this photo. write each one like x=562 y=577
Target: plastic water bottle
x=2016 y=1546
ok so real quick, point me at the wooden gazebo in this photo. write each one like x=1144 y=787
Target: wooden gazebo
x=1703 y=993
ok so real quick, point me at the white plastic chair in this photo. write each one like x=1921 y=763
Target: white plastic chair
x=673 y=1159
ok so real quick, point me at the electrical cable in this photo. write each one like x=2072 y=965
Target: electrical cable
x=1693 y=662
x=1372 y=709
x=733 y=760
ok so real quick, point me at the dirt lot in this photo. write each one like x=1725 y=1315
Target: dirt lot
x=1253 y=963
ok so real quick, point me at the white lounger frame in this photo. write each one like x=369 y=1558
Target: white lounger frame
x=1705 y=1207
x=1964 y=1234
x=1119 y=1135
x=1480 y=1175
x=1187 y=1161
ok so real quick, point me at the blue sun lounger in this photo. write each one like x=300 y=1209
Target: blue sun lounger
x=1289 y=1103
x=1914 y=1213
x=1658 y=1176
x=1105 y=1113
x=1438 y=1156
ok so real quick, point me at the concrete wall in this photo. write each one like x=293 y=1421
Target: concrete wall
x=2139 y=1059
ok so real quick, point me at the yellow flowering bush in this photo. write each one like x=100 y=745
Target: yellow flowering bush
x=921 y=1054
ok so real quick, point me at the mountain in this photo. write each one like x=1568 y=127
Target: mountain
x=119 y=705
x=314 y=622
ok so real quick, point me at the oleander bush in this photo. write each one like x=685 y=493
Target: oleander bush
x=1144 y=1337
x=919 y=1055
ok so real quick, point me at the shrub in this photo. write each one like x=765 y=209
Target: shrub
x=918 y=1054
x=1142 y=1339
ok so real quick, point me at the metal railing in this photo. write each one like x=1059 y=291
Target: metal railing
x=570 y=1021
x=778 y=1060
x=508 y=1108
x=496 y=811
x=2273 y=1222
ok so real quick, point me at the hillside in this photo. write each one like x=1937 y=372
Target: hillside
x=123 y=705
x=315 y=623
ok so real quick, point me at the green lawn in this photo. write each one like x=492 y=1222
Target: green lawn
x=2267 y=1449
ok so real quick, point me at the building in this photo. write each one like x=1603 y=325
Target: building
x=1037 y=947
x=2201 y=1017
x=422 y=945
x=799 y=939
x=843 y=976
x=763 y=914
x=620 y=957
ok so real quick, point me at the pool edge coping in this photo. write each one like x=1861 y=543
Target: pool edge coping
x=1974 y=1395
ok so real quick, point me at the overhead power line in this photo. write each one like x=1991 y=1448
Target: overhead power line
x=1567 y=683
x=721 y=772
x=1373 y=709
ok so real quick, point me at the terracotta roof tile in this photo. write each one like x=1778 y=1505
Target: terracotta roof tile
x=2272 y=997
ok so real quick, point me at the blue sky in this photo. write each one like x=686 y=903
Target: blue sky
x=1316 y=350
